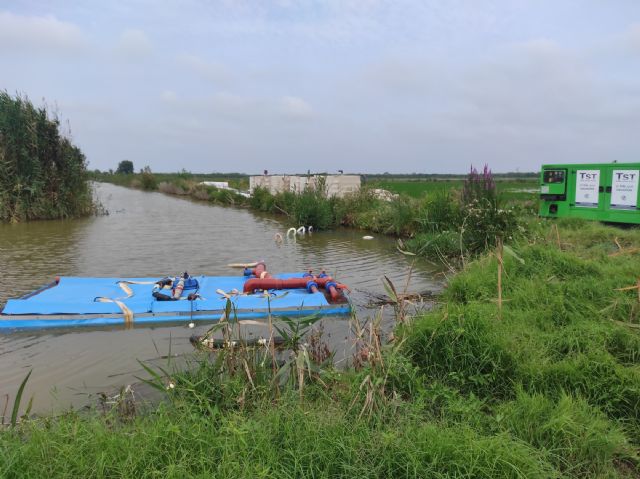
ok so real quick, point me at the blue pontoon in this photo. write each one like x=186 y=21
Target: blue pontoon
x=72 y=301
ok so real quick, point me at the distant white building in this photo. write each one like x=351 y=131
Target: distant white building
x=335 y=185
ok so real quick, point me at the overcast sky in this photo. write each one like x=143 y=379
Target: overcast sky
x=359 y=85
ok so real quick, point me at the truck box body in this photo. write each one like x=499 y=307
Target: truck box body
x=593 y=191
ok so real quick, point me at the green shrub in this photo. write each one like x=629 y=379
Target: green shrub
x=442 y=244
x=440 y=212
x=148 y=181
x=312 y=208
x=484 y=222
x=403 y=220
x=261 y=200
x=348 y=210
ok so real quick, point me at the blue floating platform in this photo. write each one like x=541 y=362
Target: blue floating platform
x=73 y=301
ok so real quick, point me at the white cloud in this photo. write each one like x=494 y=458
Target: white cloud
x=403 y=76
x=134 y=44
x=295 y=108
x=210 y=71
x=535 y=83
x=168 y=96
x=46 y=34
x=632 y=37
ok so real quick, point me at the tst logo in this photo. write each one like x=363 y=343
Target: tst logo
x=588 y=176
x=626 y=176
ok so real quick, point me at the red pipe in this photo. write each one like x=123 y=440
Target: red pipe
x=335 y=294
x=292 y=283
x=260 y=271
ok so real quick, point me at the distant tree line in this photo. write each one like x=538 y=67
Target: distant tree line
x=42 y=174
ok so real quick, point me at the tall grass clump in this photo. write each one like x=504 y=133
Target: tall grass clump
x=577 y=438
x=465 y=350
x=42 y=174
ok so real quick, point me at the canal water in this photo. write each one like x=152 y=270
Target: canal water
x=151 y=234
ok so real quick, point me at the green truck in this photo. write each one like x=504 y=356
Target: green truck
x=596 y=191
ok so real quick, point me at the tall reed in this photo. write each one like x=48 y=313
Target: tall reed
x=42 y=174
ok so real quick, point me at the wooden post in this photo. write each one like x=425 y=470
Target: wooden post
x=555 y=225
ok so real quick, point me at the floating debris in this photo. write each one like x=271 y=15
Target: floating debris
x=214 y=344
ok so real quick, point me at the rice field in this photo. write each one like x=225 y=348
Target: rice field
x=509 y=189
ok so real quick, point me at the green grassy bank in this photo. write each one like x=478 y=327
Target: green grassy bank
x=545 y=385
x=182 y=183
x=42 y=174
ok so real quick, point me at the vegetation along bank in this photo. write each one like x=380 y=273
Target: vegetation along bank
x=447 y=220
x=533 y=375
x=42 y=174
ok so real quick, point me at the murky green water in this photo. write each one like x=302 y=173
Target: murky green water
x=150 y=234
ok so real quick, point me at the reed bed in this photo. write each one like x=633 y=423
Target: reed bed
x=42 y=174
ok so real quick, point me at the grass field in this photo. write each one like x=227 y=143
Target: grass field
x=508 y=189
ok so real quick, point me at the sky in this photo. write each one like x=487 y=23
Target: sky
x=364 y=86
